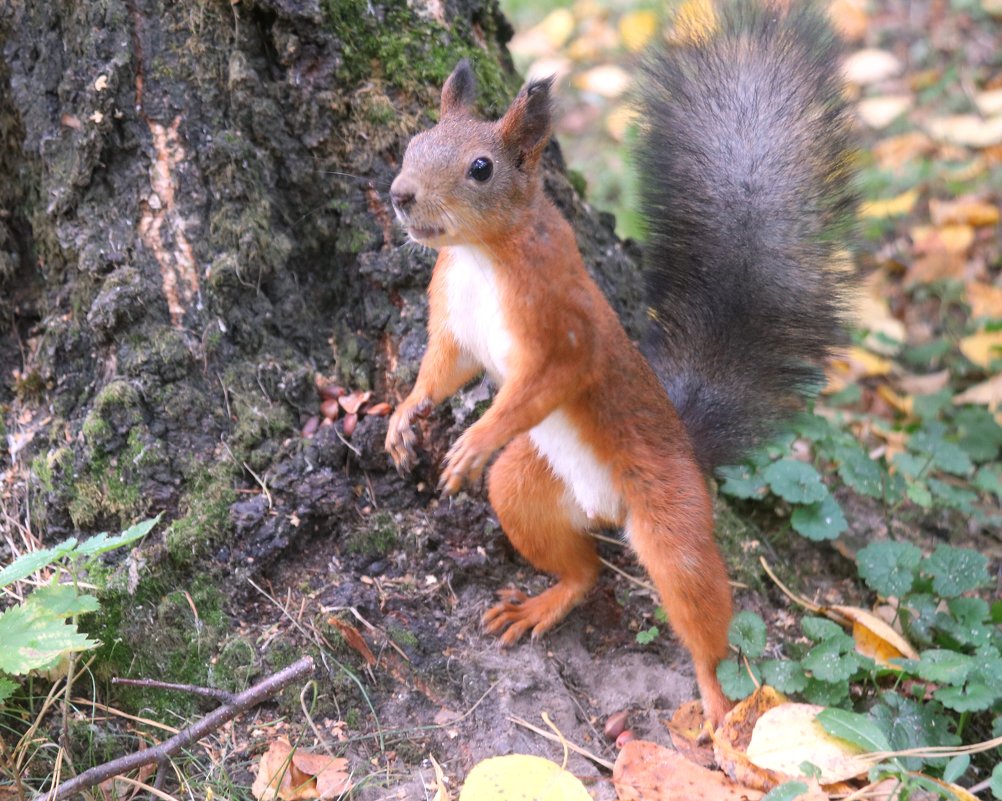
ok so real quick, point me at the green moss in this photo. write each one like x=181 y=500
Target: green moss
x=378 y=538
x=414 y=53
x=205 y=517
x=403 y=637
x=739 y=543
x=96 y=431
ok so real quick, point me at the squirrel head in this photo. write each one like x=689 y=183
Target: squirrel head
x=466 y=180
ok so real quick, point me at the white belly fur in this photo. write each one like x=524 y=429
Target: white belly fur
x=477 y=322
x=575 y=463
x=475 y=317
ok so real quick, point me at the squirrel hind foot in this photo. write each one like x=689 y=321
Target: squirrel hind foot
x=518 y=612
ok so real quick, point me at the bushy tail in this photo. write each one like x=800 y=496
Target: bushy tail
x=746 y=168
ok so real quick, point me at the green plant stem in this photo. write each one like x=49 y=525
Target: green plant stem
x=962 y=723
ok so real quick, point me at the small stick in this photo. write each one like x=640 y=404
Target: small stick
x=249 y=698
x=207 y=692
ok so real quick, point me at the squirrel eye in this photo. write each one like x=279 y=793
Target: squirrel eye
x=481 y=169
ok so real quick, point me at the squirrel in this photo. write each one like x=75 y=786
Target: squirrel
x=745 y=158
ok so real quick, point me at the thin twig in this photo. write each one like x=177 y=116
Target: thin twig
x=191 y=689
x=605 y=763
x=249 y=698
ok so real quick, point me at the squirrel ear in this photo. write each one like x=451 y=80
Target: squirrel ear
x=459 y=91
x=525 y=127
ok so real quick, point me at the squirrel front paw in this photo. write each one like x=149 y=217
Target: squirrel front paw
x=400 y=437
x=465 y=461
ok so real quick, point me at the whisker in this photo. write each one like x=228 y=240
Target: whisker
x=368 y=180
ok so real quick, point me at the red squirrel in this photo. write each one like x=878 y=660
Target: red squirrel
x=744 y=156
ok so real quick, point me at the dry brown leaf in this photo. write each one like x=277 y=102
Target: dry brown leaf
x=788 y=735
x=354 y=401
x=949 y=238
x=649 y=772
x=901 y=403
x=982 y=348
x=874 y=637
x=731 y=739
x=879 y=112
x=923 y=384
x=963 y=211
x=331 y=773
x=278 y=778
x=686 y=730
x=353 y=638
x=897 y=151
x=441 y=789
x=873 y=313
x=985 y=300
x=935 y=266
x=987 y=393
x=849 y=18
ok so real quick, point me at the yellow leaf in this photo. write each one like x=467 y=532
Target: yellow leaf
x=787 y=736
x=557 y=27
x=891 y=207
x=521 y=777
x=949 y=238
x=868 y=364
x=982 y=348
x=963 y=211
x=902 y=403
x=636 y=29
x=985 y=300
x=874 y=637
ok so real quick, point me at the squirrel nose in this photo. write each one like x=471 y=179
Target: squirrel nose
x=402 y=194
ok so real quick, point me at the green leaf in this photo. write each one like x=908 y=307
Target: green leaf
x=748 y=633
x=833 y=660
x=30 y=563
x=976 y=696
x=858 y=470
x=889 y=567
x=787 y=791
x=996 y=784
x=911 y=466
x=786 y=675
x=956 y=570
x=946 y=456
x=956 y=768
x=102 y=543
x=796 y=482
x=857 y=729
x=825 y=693
x=61 y=600
x=33 y=639
x=918 y=493
x=647 y=636
x=978 y=433
x=734 y=679
x=820 y=628
x=943 y=666
x=953 y=497
x=819 y=521
x=741 y=481
x=7 y=688
x=909 y=723
x=989 y=479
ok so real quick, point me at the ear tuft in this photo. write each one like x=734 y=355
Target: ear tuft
x=525 y=127
x=460 y=91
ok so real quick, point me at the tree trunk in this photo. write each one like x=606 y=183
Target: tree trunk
x=194 y=226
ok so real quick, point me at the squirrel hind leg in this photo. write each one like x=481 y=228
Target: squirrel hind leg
x=547 y=528
x=674 y=542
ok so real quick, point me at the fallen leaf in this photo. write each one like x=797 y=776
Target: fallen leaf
x=331 y=773
x=966 y=130
x=278 y=778
x=686 y=730
x=924 y=384
x=870 y=65
x=897 y=151
x=982 y=348
x=607 y=80
x=353 y=638
x=963 y=211
x=935 y=266
x=874 y=637
x=985 y=300
x=649 y=772
x=990 y=102
x=637 y=28
x=901 y=403
x=879 y=112
x=557 y=27
x=521 y=777
x=354 y=401
x=952 y=238
x=441 y=790
x=897 y=206
x=730 y=740
x=788 y=735
x=849 y=18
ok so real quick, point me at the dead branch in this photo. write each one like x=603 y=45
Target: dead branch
x=249 y=698
x=191 y=689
